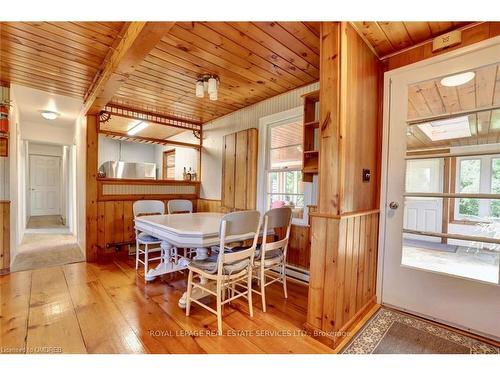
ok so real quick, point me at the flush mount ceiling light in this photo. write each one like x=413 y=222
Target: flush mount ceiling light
x=457 y=79
x=140 y=126
x=210 y=84
x=49 y=115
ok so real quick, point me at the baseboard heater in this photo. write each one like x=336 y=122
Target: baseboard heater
x=295 y=273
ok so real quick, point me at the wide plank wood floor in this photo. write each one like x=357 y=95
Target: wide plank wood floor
x=106 y=308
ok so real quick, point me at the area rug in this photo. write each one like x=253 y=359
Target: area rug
x=46 y=250
x=392 y=332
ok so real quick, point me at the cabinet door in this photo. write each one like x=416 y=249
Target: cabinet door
x=228 y=167
x=240 y=173
x=252 y=152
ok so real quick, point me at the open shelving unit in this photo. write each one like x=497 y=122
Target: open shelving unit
x=310 y=157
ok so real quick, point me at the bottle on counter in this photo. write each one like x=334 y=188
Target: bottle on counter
x=190 y=174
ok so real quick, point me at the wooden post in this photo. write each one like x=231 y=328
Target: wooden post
x=328 y=199
x=91 y=188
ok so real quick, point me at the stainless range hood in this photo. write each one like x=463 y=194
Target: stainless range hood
x=121 y=169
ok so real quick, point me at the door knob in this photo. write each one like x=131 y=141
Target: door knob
x=394 y=205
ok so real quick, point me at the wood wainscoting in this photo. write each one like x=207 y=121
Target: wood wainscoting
x=4 y=237
x=343 y=273
x=115 y=200
x=299 y=247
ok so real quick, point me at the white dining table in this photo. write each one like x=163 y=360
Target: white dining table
x=197 y=231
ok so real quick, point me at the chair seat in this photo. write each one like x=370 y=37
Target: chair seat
x=271 y=261
x=210 y=264
x=147 y=239
x=269 y=254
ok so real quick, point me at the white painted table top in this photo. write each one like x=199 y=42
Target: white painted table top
x=199 y=229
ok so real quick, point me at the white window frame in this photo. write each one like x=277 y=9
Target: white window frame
x=265 y=124
x=485 y=176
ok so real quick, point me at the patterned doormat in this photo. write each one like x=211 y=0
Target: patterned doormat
x=391 y=332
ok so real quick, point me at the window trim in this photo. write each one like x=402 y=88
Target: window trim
x=265 y=123
x=486 y=166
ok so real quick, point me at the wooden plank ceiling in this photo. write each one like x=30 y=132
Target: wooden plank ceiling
x=390 y=37
x=254 y=61
x=57 y=57
x=431 y=98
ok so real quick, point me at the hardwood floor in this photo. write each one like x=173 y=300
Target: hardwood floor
x=105 y=308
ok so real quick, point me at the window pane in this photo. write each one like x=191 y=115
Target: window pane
x=286 y=158
x=286 y=135
x=285 y=189
x=424 y=176
x=470 y=175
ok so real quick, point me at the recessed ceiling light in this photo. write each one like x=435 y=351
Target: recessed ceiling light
x=50 y=115
x=457 y=79
x=137 y=128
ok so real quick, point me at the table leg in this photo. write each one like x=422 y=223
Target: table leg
x=166 y=265
x=201 y=253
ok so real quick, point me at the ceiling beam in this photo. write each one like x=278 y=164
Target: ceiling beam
x=137 y=41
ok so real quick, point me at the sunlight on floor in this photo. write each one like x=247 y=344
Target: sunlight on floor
x=465 y=262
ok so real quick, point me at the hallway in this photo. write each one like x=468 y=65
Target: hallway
x=41 y=250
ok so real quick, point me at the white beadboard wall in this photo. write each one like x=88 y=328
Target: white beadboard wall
x=248 y=117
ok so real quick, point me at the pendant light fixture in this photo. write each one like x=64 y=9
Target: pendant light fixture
x=208 y=83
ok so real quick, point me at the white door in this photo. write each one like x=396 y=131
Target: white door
x=45 y=184
x=434 y=285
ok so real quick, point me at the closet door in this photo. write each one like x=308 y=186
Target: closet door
x=240 y=173
x=228 y=168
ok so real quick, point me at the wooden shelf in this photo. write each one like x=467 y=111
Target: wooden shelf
x=312 y=124
x=312 y=170
x=310 y=157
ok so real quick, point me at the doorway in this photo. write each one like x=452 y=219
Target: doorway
x=440 y=220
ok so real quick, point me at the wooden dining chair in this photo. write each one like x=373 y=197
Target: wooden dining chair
x=148 y=243
x=270 y=257
x=179 y=206
x=228 y=269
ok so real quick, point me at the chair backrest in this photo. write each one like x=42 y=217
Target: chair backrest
x=146 y=207
x=276 y=218
x=175 y=206
x=233 y=226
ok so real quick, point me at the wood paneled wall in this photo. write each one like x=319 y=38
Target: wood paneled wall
x=4 y=237
x=115 y=222
x=343 y=272
x=344 y=227
x=359 y=130
x=470 y=36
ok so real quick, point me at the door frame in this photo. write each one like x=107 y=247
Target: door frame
x=59 y=182
x=385 y=151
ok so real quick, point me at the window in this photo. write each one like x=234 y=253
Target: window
x=495 y=187
x=284 y=169
x=478 y=175
x=470 y=177
x=280 y=165
x=169 y=165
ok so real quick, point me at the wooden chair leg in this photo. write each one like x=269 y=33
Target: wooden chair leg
x=189 y=291
x=137 y=255
x=219 y=307
x=146 y=260
x=249 y=292
x=262 y=283
x=284 y=280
